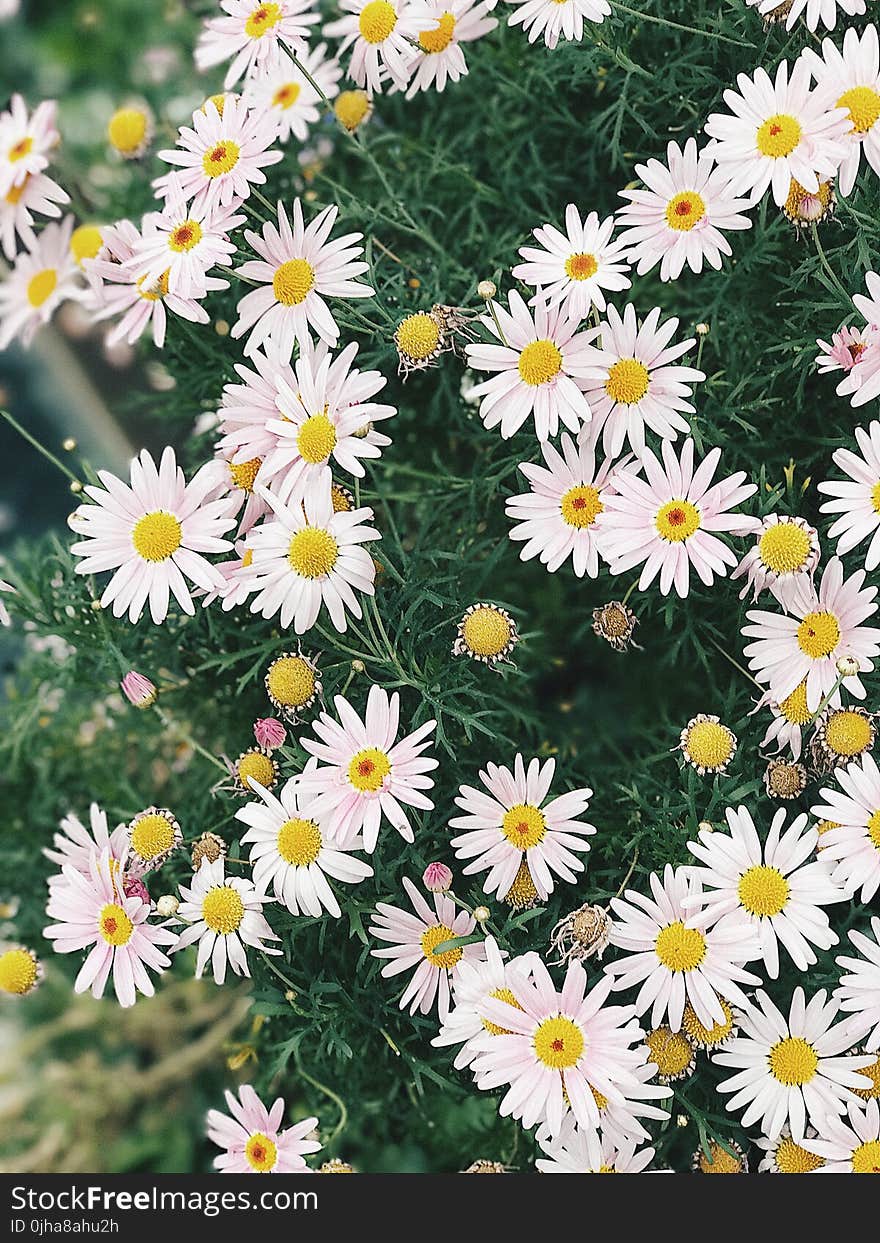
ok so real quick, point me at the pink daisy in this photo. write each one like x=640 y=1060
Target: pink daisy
x=862 y=384
x=553 y=19
x=383 y=37
x=856 y=500
x=858 y=990
x=284 y=89
x=441 y=55
x=37 y=193
x=181 y=244
x=847 y=349
x=246 y=409
x=253 y=1139
x=225 y=914
x=574 y=268
x=26 y=141
x=42 y=277
x=782 y=559
x=852 y=846
x=850 y=78
x=252 y=33
x=75 y=846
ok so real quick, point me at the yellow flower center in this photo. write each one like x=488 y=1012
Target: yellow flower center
x=684 y=210
x=350 y=108
x=185 y=236
x=628 y=381
x=524 y=826
x=263 y=18
x=680 y=948
x=244 y=474
x=286 y=95
x=20 y=149
x=114 y=925
x=794 y=706
x=41 y=287
x=719 y=1160
x=439 y=39
x=152 y=835
x=260 y=767
x=316 y=439
x=291 y=681
x=558 y=1043
x=522 y=893
x=539 y=362
x=431 y=938
x=377 y=20
x=875 y=494
x=248 y=558
x=790 y=1158
x=709 y=744
x=157 y=536
x=293 y=282
x=14 y=193
x=784 y=548
x=261 y=1151
x=677 y=521
x=418 y=336
x=778 y=136
x=500 y=994
x=222 y=158
x=708 y=1037
x=222 y=909
x=368 y=769
x=818 y=635
x=866 y=1158
x=486 y=631
x=299 y=842
x=581 y=267
x=581 y=506
x=793 y=1061
x=808 y=206
x=18 y=972
x=848 y=733
x=313 y=552
x=671 y=1052
x=763 y=890
x=340 y=499
x=872 y=1074
x=85 y=242
x=863 y=103
x=153 y=293
x=874 y=830
x=127 y=129
x=219 y=102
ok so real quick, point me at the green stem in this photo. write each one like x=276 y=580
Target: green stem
x=737 y=665
x=328 y=1092
x=494 y=314
x=693 y=30
x=630 y=589
x=829 y=271
x=827 y=700
x=196 y=746
x=41 y=448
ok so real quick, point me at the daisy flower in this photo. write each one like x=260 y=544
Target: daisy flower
x=37 y=193
x=853 y=1148
x=413 y=942
x=823 y=626
x=814 y=11
x=853 y=845
x=308 y=555
x=291 y=852
x=76 y=847
x=251 y=35
x=782 y=559
x=681 y=217
x=252 y=1137
x=236 y=482
x=791 y=716
x=220 y=157
x=552 y=18
x=42 y=277
x=784 y=1156
x=572 y=269
x=285 y=91
x=630 y=383
x=789 y=1069
x=857 y=499
x=440 y=56
x=846 y=349
x=298 y=268
x=776 y=886
x=570 y=1153
x=90 y=911
x=152 y=534
x=862 y=383
x=247 y=408
x=512 y=824
x=26 y=140
x=540 y=363
x=858 y=990
x=225 y=914
x=237 y=574
x=850 y=79
x=676 y=955
x=180 y=245
x=779 y=131
x=557 y=518
x=365 y=772
x=667 y=519
x=381 y=35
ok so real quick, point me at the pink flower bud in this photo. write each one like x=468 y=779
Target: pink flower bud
x=269 y=732
x=437 y=878
x=135 y=888
x=138 y=690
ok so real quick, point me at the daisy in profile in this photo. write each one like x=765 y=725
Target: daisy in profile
x=858 y=989
x=383 y=38
x=681 y=217
x=850 y=78
x=569 y=1153
x=252 y=1137
x=76 y=846
x=236 y=481
x=862 y=383
x=784 y=1156
x=251 y=34
x=179 y=246
x=225 y=914
x=297 y=269
x=38 y=193
x=782 y=560
x=791 y=716
x=812 y=11
x=554 y=18
x=779 y=131
x=539 y=363
x=676 y=955
x=856 y=500
x=26 y=141
x=365 y=772
x=293 y=854
x=667 y=521
x=413 y=945
x=631 y=384
x=510 y=823
x=220 y=156
x=572 y=269
x=852 y=847
x=285 y=91
x=557 y=518
x=851 y=1146
x=790 y=1070
x=42 y=277
x=308 y=555
x=777 y=886
x=441 y=56
x=153 y=535
x=822 y=626
x=91 y=912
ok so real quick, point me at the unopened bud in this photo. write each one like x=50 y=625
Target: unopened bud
x=437 y=878
x=481 y=914
x=702 y=330
x=358 y=666
x=487 y=290
x=167 y=905
x=138 y=690
x=848 y=666
x=269 y=732
x=68 y=445
x=76 y=487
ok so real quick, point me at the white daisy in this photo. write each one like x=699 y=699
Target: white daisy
x=850 y=78
x=857 y=500
x=247 y=408
x=782 y=559
x=26 y=141
x=37 y=193
x=852 y=1149
x=284 y=90
x=42 y=277
x=570 y=1153
x=383 y=37
x=813 y=11
x=853 y=845
x=862 y=383
x=180 y=245
x=225 y=914
x=76 y=846
x=858 y=989
x=791 y=716
x=573 y=268
x=252 y=33
x=784 y=1156
x=440 y=56
x=552 y=18
x=253 y=1140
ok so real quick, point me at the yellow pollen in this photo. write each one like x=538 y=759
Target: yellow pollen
x=85 y=242
x=628 y=381
x=722 y=1162
x=244 y=474
x=524 y=826
x=153 y=293
x=157 y=536
x=377 y=20
x=581 y=267
x=808 y=206
x=313 y=552
x=222 y=158
x=522 y=893
x=293 y=282
x=671 y=1052
x=558 y=1043
x=763 y=890
x=340 y=499
x=222 y=909
x=260 y=767
x=351 y=108
x=818 y=635
x=263 y=18
x=581 y=506
x=248 y=558
x=261 y=1152
x=439 y=39
x=14 y=193
x=486 y=631
x=707 y=1037
x=539 y=362
x=872 y=1074
x=418 y=336
x=863 y=103
x=848 y=733
x=794 y=706
x=793 y=1061
x=500 y=994
x=152 y=835
x=778 y=136
x=219 y=102
x=677 y=521
x=20 y=149
x=684 y=210
x=185 y=236
x=874 y=830
x=286 y=95
x=41 y=287
x=784 y=548
x=316 y=439
x=866 y=1158
x=680 y=948
x=790 y=1158
x=431 y=938
x=114 y=925
x=601 y=1101
x=127 y=130
x=18 y=972
x=299 y=842
x=368 y=769
x=291 y=681
x=709 y=744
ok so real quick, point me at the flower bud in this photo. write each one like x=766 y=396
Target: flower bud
x=848 y=666
x=138 y=690
x=481 y=914
x=167 y=905
x=487 y=290
x=437 y=878
x=269 y=732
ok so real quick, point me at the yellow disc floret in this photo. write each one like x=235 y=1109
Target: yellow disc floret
x=793 y=1061
x=581 y=267
x=539 y=362
x=256 y=765
x=439 y=39
x=524 y=826
x=719 y=1160
x=778 y=136
x=680 y=948
x=41 y=287
x=500 y=994
x=863 y=104
x=818 y=634
x=763 y=891
x=486 y=631
x=351 y=109
x=790 y=1158
x=316 y=439
x=677 y=520
x=299 y=842
x=700 y=1034
x=377 y=20
x=522 y=893
x=19 y=971
x=628 y=381
x=244 y=474
x=558 y=1042
x=866 y=1158
x=418 y=336
x=152 y=834
x=784 y=548
x=261 y=1152
x=221 y=158
x=581 y=505
x=157 y=536
x=431 y=938
x=794 y=706
x=291 y=681
x=85 y=242
x=293 y=282
x=684 y=210
x=709 y=745
x=313 y=552
x=262 y=19
x=368 y=769
x=114 y=925
x=848 y=733
x=671 y=1052
x=185 y=236
x=127 y=130
x=223 y=909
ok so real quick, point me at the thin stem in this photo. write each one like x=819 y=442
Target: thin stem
x=630 y=589
x=827 y=700
x=246 y=280
x=494 y=314
x=196 y=746
x=694 y=30
x=261 y=198
x=328 y=1092
x=626 y=879
x=736 y=665
x=832 y=275
x=41 y=448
